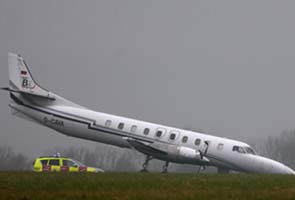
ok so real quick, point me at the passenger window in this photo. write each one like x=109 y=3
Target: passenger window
x=159 y=133
x=197 y=142
x=133 y=128
x=172 y=136
x=44 y=162
x=146 y=131
x=54 y=162
x=108 y=123
x=121 y=126
x=184 y=139
x=220 y=146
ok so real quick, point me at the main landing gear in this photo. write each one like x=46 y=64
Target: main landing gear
x=145 y=164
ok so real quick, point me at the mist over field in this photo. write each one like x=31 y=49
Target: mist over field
x=114 y=159
x=223 y=67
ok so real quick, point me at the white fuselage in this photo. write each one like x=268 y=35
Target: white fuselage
x=105 y=128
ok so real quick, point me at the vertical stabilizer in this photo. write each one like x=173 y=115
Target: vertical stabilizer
x=20 y=78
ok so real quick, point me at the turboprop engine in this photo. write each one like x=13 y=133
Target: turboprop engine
x=169 y=151
x=188 y=153
x=180 y=153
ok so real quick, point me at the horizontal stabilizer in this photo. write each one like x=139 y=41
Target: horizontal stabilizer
x=28 y=93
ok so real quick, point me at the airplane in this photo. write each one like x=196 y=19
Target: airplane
x=169 y=144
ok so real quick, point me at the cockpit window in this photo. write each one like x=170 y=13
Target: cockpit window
x=239 y=149
x=249 y=150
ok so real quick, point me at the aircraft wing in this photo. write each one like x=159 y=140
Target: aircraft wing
x=146 y=147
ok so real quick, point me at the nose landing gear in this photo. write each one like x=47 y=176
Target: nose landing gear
x=165 y=167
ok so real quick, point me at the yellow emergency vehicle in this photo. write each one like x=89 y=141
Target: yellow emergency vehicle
x=61 y=164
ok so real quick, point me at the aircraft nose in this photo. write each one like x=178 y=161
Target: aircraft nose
x=288 y=170
x=274 y=167
x=282 y=169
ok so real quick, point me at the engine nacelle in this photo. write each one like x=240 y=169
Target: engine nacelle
x=188 y=153
x=180 y=152
x=168 y=151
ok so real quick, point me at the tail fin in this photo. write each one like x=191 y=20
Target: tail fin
x=21 y=80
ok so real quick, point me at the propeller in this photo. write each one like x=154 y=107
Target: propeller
x=207 y=146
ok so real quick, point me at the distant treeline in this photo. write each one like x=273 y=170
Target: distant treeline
x=9 y=160
x=109 y=158
x=281 y=148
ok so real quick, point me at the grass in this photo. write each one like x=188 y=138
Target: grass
x=29 y=185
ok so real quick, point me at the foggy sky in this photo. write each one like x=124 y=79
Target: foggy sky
x=226 y=67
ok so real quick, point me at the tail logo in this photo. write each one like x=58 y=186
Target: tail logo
x=25 y=83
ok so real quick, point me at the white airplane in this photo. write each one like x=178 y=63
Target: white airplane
x=156 y=141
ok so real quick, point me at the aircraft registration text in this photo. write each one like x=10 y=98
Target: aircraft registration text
x=53 y=121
